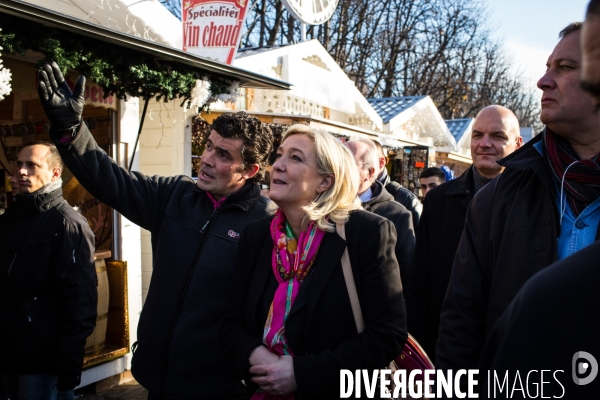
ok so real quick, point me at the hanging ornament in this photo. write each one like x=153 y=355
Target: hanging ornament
x=200 y=93
x=232 y=92
x=5 y=78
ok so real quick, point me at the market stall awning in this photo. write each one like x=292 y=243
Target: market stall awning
x=414 y=117
x=54 y=19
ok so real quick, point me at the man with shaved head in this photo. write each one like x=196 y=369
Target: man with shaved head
x=378 y=200
x=495 y=135
x=544 y=207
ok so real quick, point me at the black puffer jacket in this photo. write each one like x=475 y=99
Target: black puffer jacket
x=194 y=249
x=382 y=203
x=48 y=294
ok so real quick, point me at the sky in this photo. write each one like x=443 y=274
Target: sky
x=529 y=30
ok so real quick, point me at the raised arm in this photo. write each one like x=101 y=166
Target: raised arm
x=139 y=198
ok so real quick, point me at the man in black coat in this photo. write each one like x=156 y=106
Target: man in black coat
x=521 y=339
x=195 y=230
x=375 y=198
x=48 y=294
x=543 y=208
x=408 y=199
x=495 y=135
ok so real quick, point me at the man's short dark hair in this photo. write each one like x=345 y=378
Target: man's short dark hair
x=572 y=27
x=54 y=160
x=593 y=8
x=433 y=171
x=257 y=138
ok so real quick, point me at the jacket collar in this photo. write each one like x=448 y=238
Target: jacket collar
x=384 y=178
x=525 y=157
x=380 y=195
x=463 y=185
x=528 y=157
x=243 y=198
x=39 y=201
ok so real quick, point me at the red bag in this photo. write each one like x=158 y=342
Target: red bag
x=413 y=357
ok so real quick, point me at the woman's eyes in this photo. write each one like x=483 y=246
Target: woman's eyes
x=292 y=157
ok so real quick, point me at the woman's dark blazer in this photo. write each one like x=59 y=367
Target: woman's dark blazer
x=320 y=327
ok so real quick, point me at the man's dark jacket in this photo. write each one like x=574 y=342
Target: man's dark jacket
x=510 y=234
x=48 y=287
x=194 y=248
x=527 y=337
x=320 y=328
x=442 y=222
x=403 y=196
x=382 y=203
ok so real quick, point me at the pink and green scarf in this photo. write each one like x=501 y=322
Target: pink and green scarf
x=290 y=268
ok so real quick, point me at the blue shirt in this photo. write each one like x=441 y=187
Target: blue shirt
x=366 y=196
x=575 y=232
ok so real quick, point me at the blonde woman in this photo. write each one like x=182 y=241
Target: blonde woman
x=290 y=328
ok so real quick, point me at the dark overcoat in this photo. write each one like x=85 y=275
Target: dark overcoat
x=382 y=203
x=510 y=234
x=552 y=318
x=444 y=212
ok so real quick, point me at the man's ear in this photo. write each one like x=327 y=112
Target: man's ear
x=326 y=182
x=382 y=162
x=250 y=171
x=372 y=174
x=519 y=142
x=56 y=172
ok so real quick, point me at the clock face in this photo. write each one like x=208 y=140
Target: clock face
x=311 y=12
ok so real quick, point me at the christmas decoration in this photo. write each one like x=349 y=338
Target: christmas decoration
x=119 y=71
x=5 y=78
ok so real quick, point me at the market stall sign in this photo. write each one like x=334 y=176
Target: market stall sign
x=94 y=95
x=211 y=29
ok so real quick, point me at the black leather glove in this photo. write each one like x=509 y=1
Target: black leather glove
x=67 y=382
x=63 y=107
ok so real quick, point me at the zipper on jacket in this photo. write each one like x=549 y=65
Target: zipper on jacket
x=207 y=225
x=11 y=264
x=208 y=221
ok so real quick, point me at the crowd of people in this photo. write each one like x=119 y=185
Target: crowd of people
x=496 y=270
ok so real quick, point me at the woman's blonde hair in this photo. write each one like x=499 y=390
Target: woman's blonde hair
x=333 y=205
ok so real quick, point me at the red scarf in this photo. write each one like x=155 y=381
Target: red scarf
x=582 y=180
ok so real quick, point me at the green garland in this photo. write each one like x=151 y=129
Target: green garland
x=118 y=70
